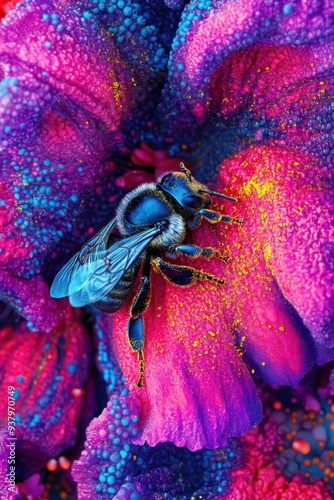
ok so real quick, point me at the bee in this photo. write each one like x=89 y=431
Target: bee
x=151 y=219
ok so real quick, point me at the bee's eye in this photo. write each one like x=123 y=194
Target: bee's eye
x=192 y=201
x=165 y=178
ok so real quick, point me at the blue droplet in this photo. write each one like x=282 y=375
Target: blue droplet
x=287 y=9
x=72 y=368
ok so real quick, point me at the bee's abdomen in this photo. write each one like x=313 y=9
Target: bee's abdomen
x=118 y=295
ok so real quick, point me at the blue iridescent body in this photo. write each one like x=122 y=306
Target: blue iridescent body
x=153 y=218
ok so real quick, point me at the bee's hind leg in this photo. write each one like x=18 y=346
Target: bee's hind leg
x=136 y=332
x=136 y=336
x=183 y=275
x=194 y=251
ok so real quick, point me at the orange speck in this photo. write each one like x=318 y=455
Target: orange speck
x=321 y=465
x=77 y=392
x=277 y=405
x=302 y=446
x=52 y=465
x=307 y=462
x=331 y=425
x=316 y=460
x=329 y=416
x=64 y=463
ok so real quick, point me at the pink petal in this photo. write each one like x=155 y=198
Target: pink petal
x=197 y=388
x=142 y=158
x=45 y=370
x=288 y=209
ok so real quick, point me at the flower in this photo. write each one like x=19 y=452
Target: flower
x=243 y=90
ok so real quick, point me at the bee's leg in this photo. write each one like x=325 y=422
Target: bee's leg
x=215 y=217
x=136 y=333
x=143 y=296
x=136 y=336
x=195 y=251
x=183 y=275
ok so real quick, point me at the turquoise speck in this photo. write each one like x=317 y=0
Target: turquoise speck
x=287 y=9
x=48 y=44
x=72 y=368
x=125 y=422
x=102 y=478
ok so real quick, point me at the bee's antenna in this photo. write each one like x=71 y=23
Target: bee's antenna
x=214 y=193
x=185 y=170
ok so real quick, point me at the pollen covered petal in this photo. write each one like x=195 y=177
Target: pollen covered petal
x=287 y=204
x=197 y=389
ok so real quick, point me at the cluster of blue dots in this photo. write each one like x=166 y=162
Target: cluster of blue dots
x=115 y=451
x=38 y=198
x=54 y=21
x=268 y=23
x=136 y=28
x=118 y=467
x=106 y=360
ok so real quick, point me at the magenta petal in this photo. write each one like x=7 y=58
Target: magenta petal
x=46 y=371
x=34 y=486
x=197 y=389
x=291 y=203
x=48 y=62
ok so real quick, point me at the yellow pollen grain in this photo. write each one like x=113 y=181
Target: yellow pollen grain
x=281 y=328
x=263 y=363
x=195 y=344
x=267 y=253
x=262 y=188
x=253 y=371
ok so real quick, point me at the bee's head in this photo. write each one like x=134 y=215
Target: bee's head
x=190 y=194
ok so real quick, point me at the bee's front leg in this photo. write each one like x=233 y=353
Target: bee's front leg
x=214 y=217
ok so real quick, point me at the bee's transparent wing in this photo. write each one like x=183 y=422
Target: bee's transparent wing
x=94 y=279
x=61 y=284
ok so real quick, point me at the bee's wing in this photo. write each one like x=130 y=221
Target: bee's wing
x=104 y=269
x=61 y=284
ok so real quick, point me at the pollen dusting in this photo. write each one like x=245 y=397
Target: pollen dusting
x=261 y=188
